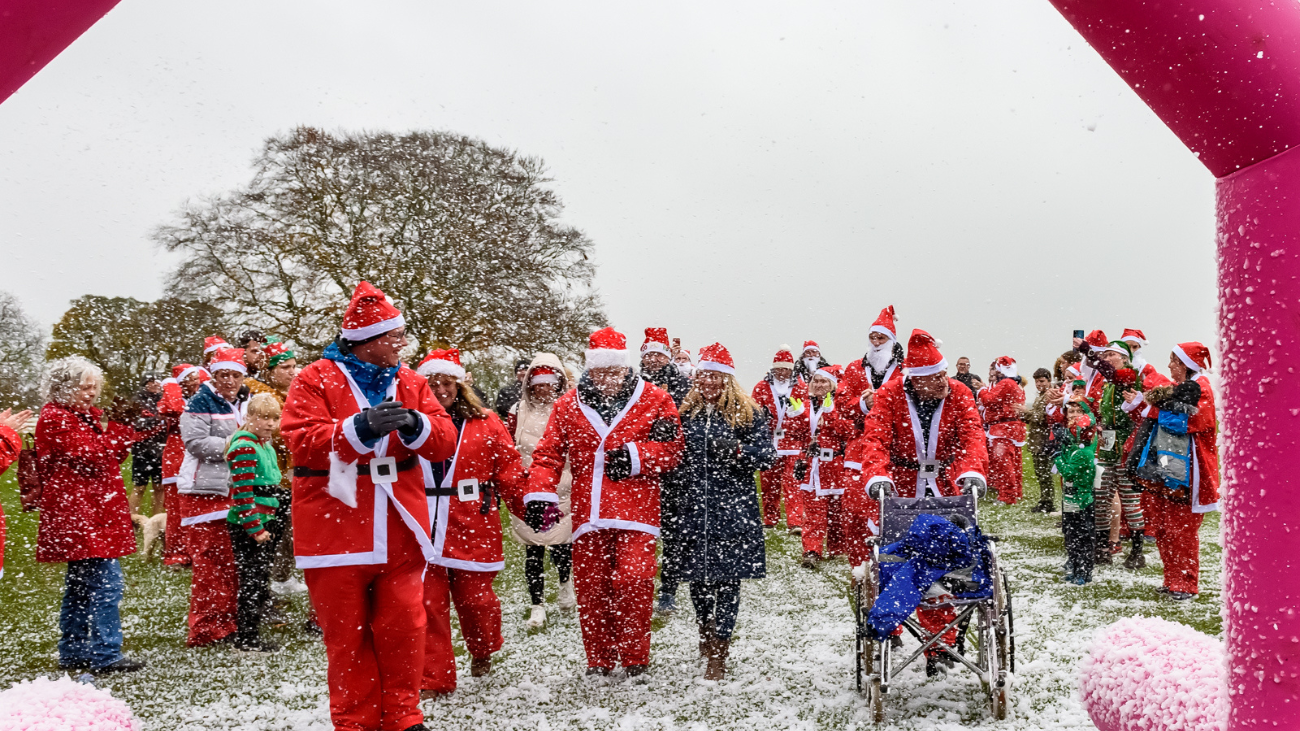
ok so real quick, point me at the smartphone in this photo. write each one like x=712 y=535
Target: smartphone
x=1078 y=334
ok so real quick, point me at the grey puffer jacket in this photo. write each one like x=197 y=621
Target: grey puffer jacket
x=206 y=425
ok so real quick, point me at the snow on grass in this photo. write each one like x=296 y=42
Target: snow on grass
x=791 y=659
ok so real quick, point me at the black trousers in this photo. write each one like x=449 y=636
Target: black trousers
x=535 y=567
x=1080 y=537
x=716 y=602
x=253 y=563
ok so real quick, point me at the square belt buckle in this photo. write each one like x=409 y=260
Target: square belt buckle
x=467 y=490
x=383 y=470
x=780 y=434
x=827 y=454
x=929 y=467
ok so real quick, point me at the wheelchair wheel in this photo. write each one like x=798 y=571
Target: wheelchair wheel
x=868 y=652
x=1002 y=646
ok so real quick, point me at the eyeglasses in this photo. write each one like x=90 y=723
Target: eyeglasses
x=397 y=336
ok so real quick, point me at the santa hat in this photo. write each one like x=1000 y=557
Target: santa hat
x=1097 y=339
x=442 y=362
x=1134 y=336
x=656 y=341
x=278 y=352
x=1006 y=365
x=181 y=371
x=606 y=348
x=831 y=373
x=543 y=374
x=369 y=315
x=783 y=358
x=228 y=359
x=923 y=356
x=884 y=324
x=810 y=345
x=687 y=353
x=716 y=358
x=213 y=343
x=1193 y=355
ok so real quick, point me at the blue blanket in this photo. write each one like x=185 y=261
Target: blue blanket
x=932 y=547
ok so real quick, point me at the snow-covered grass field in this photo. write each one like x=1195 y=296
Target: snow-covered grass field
x=791 y=662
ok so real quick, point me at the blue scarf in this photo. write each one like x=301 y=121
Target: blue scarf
x=373 y=380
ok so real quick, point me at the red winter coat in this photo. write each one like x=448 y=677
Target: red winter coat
x=577 y=432
x=84 y=513
x=785 y=442
x=464 y=537
x=317 y=426
x=1001 y=418
x=887 y=448
x=170 y=408
x=10 y=445
x=826 y=460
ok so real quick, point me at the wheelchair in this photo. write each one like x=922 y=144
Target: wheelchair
x=984 y=622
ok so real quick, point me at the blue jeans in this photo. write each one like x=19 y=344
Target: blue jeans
x=89 y=620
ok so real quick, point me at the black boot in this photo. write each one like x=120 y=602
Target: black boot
x=1103 y=549
x=1135 y=560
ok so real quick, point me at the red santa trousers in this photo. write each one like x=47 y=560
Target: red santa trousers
x=374 y=629
x=1177 y=532
x=823 y=523
x=214 y=580
x=173 y=535
x=479 y=612
x=934 y=620
x=775 y=484
x=613 y=576
x=791 y=492
x=1005 y=470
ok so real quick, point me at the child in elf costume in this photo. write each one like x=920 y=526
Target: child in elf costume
x=1077 y=465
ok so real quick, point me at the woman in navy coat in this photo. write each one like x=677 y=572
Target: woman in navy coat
x=712 y=531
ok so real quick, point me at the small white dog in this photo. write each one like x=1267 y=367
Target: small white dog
x=153 y=529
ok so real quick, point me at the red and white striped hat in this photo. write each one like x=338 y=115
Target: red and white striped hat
x=228 y=359
x=923 y=356
x=369 y=314
x=442 y=362
x=716 y=358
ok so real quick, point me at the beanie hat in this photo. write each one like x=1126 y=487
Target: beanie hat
x=884 y=324
x=369 y=315
x=716 y=358
x=1193 y=355
x=442 y=362
x=228 y=359
x=656 y=341
x=783 y=358
x=923 y=356
x=606 y=348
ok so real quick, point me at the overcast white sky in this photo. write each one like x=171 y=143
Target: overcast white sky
x=754 y=173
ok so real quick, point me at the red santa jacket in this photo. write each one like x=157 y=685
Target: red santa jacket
x=170 y=408
x=1204 y=430
x=10 y=445
x=318 y=427
x=888 y=448
x=856 y=382
x=824 y=431
x=1001 y=418
x=786 y=444
x=578 y=432
x=463 y=508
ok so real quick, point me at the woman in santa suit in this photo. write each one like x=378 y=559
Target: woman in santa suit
x=1001 y=402
x=778 y=389
x=463 y=491
x=819 y=424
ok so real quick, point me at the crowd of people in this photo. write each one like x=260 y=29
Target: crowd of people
x=382 y=481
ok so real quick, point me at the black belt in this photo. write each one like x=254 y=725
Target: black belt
x=439 y=491
x=911 y=464
x=362 y=469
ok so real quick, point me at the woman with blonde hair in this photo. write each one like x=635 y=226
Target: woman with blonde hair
x=712 y=532
x=544 y=382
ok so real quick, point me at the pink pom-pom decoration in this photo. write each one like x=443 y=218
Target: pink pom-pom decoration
x=1148 y=674
x=63 y=705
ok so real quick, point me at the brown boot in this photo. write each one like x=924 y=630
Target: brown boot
x=706 y=636
x=717 y=669
x=480 y=666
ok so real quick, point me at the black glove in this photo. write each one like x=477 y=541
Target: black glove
x=412 y=425
x=663 y=430
x=800 y=470
x=534 y=514
x=386 y=417
x=724 y=448
x=618 y=464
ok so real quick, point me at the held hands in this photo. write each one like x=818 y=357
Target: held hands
x=541 y=516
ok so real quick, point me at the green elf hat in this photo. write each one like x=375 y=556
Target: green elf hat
x=1121 y=347
x=277 y=352
x=1083 y=405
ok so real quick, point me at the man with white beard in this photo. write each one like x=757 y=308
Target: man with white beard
x=775 y=393
x=810 y=359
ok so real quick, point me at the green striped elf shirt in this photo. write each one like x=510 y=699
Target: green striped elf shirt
x=252 y=464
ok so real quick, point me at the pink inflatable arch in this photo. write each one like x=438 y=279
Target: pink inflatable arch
x=1224 y=75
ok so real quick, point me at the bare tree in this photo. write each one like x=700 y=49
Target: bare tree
x=464 y=237
x=22 y=342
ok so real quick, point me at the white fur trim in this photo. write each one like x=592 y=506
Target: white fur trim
x=930 y=370
x=188 y=372
x=708 y=365
x=1134 y=339
x=426 y=428
x=541 y=497
x=827 y=375
x=853 y=465
x=635 y=458
x=606 y=358
x=441 y=368
x=214 y=348
x=544 y=378
x=1187 y=361
x=205 y=518
x=369 y=331
x=228 y=365
x=883 y=331
x=349 y=428
x=654 y=346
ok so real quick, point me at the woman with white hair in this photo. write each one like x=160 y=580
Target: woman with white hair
x=85 y=520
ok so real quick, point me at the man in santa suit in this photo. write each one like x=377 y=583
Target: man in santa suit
x=810 y=359
x=619 y=434
x=881 y=364
x=356 y=422
x=657 y=365
x=774 y=393
x=924 y=436
x=1174 y=517
x=1136 y=341
x=1001 y=402
x=178 y=389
